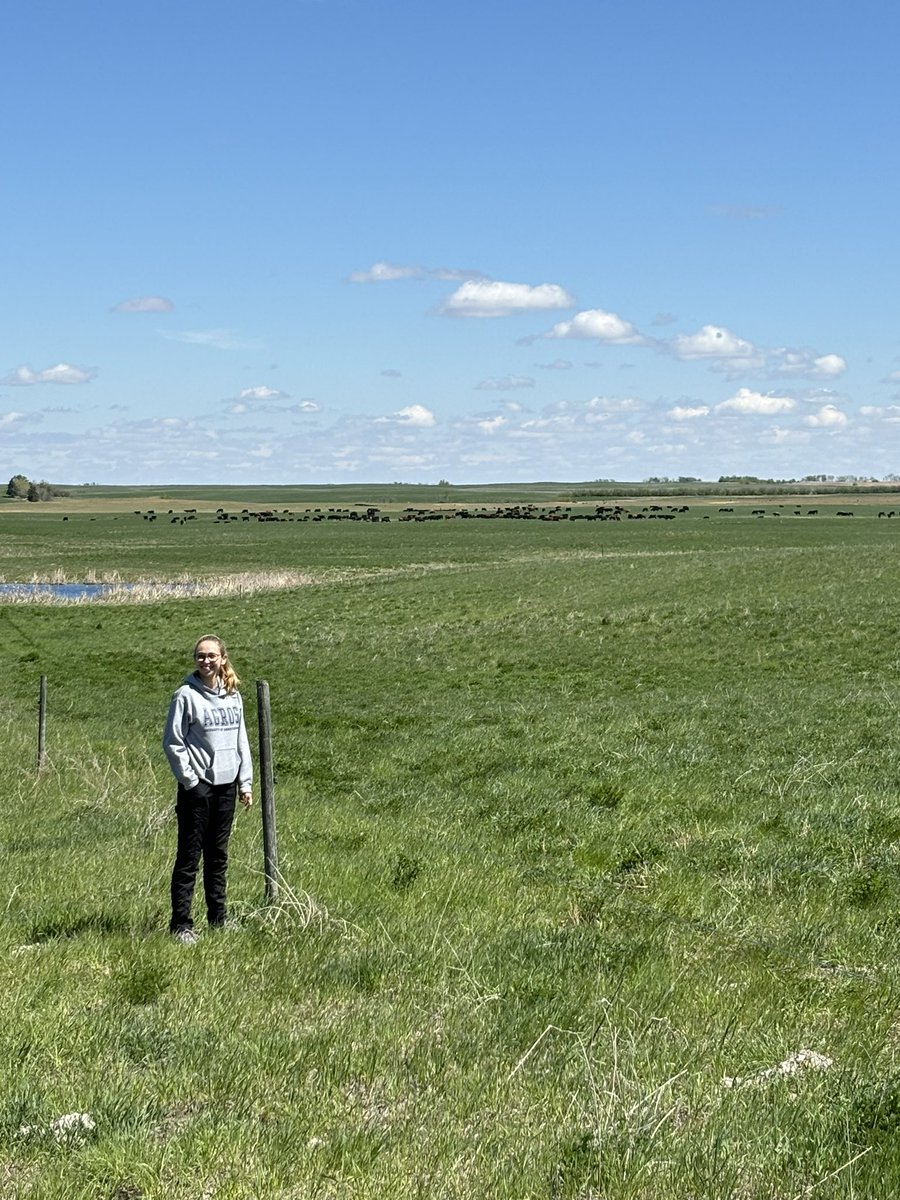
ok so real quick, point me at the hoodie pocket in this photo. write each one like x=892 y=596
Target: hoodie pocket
x=224 y=766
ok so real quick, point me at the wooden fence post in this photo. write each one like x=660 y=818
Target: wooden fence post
x=42 y=723
x=267 y=790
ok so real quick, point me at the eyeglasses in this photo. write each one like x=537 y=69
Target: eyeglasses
x=212 y=657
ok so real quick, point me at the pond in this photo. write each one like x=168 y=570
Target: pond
x=61 y=591
x=147 y=591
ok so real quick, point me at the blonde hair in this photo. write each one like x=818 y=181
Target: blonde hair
x=227 y=674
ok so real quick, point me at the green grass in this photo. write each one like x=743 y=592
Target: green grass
x=574 y=822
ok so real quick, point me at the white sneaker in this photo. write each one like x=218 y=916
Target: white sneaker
x=187 y=937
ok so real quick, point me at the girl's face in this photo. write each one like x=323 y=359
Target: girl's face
x=209 y=659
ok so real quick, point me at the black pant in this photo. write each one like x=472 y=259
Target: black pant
x=205 y=815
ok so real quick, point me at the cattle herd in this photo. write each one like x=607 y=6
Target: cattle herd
x=372 y=514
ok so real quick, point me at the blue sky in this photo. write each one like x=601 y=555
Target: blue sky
x=328 y=240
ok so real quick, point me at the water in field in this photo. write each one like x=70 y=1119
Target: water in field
x=60 y=591
x=147 y=590
x=85 y=592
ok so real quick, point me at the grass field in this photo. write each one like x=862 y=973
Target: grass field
x=589 y=841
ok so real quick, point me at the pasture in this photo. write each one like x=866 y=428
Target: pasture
x=589 y=837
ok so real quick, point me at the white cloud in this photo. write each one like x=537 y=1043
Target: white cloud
x=266 y=400
x=491 y=424
x=549 y=422
x=383 y=272
x=756 y=404
x=682 y=413
x=417 y=415
x=714 y=342
x=538 y=430
x=261 y=393
x=779 y=435
x=891 y=413
x=558 y=364
x=493 y=298
x=733 y=355
x=145 y=304
x=597 y=325
x=784 y=362
x=829 y=365
x=828 y=416
x=8 y=420
x=613 y=404
x=61 y=373
x=509 y=383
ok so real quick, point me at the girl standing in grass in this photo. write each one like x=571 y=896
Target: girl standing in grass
x=207 y=747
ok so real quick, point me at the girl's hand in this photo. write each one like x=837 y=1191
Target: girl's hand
x=246 y=799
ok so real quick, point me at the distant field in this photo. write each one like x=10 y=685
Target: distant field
x=589 y=833
x=159 y=539
x=299 y=495
x=98 y=498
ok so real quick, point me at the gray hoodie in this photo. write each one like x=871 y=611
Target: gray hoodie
x=206 y=737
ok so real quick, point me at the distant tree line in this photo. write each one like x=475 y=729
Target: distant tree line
x=20 y=487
